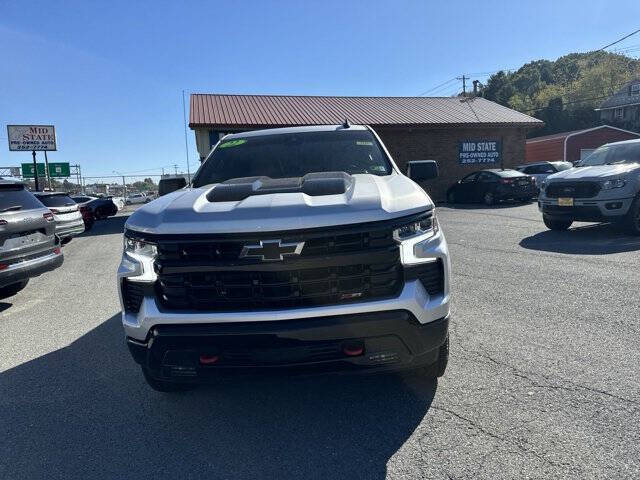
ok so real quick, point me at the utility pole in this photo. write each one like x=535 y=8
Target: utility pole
x=46 y=170
x=35 y=172
x=464 y=84
x=176 y=168
x=186 y=144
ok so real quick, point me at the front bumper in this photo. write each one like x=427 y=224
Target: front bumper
x=19 y=271
x=586 y=210
x=70 y=229
x=391 y=340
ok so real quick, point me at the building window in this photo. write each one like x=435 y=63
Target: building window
x=619 y=112
x=635 y=89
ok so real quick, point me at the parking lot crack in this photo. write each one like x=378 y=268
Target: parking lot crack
x=520 y=446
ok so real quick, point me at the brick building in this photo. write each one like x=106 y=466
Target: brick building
x=461 y=134
x=574 y=146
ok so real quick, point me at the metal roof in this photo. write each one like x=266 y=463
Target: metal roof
x=622 y=97
x=265 y=111
x=562 y=135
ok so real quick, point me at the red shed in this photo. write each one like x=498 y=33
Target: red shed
x=572 y=146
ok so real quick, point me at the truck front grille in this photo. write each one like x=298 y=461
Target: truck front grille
x=335 y=266
x=259 y=289
x=572 y=189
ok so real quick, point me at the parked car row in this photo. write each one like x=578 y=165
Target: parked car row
x=34 y=227
x=604 y=187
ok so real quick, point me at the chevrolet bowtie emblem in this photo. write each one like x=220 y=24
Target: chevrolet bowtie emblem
x=270 y=250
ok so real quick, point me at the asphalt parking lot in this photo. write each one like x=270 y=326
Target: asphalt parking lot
x=542 y=383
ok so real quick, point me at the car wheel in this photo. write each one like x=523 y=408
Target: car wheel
x=633 y=217
x=553 y=224
x=88 y=225
x=451 y=197
x=11 y=290
x=489 y=199
x=165 y=385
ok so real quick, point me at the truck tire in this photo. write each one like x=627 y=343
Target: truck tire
x=556 y=224
x=165 y=385
x=11 y=290
x=633 y=217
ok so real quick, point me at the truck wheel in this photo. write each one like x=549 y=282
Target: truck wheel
x=165 y=385
x=11 y=290
x=556 y=224
x=633 y=217
x=489 y=199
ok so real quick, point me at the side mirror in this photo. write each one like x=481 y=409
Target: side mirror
x=421 y=170
x=168 y=185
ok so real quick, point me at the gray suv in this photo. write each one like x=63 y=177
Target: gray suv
x=28 y=245
x=305 y=248
x=604 y=187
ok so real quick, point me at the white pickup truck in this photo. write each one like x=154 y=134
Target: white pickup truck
x=301 y=248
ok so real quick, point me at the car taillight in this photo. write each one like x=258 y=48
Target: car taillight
x=3 y=222
x=506 y=181
x=57 y=250
x=48 y=216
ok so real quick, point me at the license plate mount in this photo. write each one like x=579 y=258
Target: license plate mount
x=565 y=202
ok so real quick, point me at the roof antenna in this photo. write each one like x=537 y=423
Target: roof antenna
x=346 y=123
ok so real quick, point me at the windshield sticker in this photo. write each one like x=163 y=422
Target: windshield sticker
x=364 y=142
x=233 y=143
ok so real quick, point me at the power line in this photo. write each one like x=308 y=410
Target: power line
x=619 y=40
x=437 y=86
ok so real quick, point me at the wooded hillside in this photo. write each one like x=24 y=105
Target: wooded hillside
x=563 y=93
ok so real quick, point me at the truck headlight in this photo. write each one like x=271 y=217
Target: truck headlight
x=424 y=226
x=616 y=183
x=140 y=247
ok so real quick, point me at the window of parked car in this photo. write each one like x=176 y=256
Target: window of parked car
x=13 y=196
x=613 y=154
x=470 y=178
x=56 y=200
x=486 y=177
x=540 y=169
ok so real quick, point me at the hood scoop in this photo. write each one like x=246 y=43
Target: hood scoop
x=312 y=184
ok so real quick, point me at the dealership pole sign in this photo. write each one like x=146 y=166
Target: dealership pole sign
x=479 y=151
x=31 y=138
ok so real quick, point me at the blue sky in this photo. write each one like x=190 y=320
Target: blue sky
x=110 y=75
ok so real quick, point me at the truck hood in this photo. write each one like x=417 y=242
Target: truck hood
x=372 y=198
x=601 y=172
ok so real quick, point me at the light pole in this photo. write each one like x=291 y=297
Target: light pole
x=124 y=186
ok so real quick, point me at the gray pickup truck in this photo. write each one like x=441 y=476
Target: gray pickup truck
x=303 y=248
x=28 y=244
x=604 y=187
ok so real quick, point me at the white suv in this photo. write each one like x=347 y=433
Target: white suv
x=604 y=187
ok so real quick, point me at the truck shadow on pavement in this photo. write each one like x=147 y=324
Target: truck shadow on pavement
x=600 y=239
x=108 y=226
x=84 y=411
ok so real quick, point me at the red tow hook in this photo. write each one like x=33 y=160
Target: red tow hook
x=208 y=359
x=353 y=349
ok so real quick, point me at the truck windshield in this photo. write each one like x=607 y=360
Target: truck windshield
x=613 y=155
x=286 y=155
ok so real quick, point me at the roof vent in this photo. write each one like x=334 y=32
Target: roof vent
x=346 y=123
